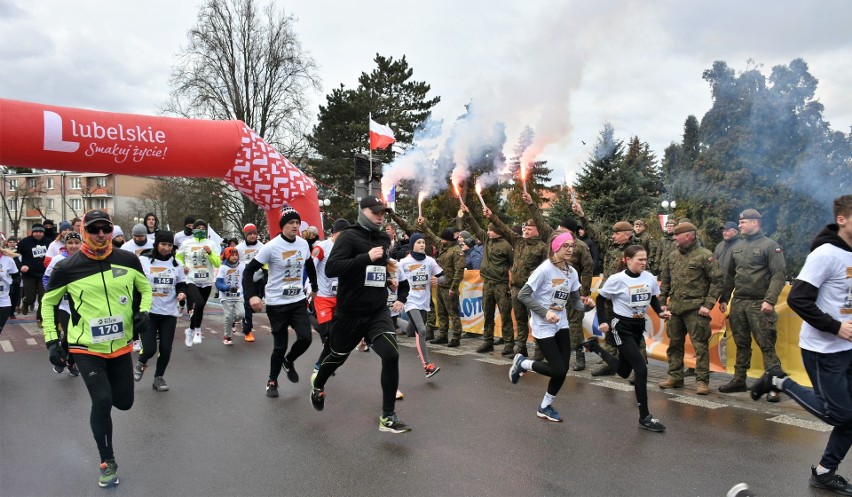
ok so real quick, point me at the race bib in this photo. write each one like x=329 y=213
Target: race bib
x=291 y=291
x=640 y=297
x=419 y=280
x=106 y=329
x=376 y=276
x=559 y=298
x=39 y=251
x=201 y=275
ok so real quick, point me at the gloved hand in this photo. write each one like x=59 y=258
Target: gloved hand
x=141 y=321
x=56 y=354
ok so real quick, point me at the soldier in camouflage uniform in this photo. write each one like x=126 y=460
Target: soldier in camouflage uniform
x=644 y=239
x=582 y=262
x=690 y=284
x=497 y=259
x=612 y=249
x=665 y=246
x=755 y=275
x=451 y=259
x=530 y=251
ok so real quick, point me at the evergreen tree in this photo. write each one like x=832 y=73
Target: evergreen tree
x=342 y=129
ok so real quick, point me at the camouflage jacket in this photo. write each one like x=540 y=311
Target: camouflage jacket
x=691 y=278
x=581 y=259
x=497 y=254
x=756 y=270
x=529 y=252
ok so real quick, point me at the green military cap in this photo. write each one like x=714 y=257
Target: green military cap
x=750 y=214
x=622 y=226
x=684 y=228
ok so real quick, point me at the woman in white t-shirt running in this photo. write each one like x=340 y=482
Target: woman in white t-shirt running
x=550 y=289
x=631 y=292
x=415 y=295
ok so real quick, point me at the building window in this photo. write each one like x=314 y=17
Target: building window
x=13 y=185
x=99 y=203
x=101 y=182
x=32 y=183
x=35 y=203
x=50 y=183
x=50 y=204
x=76 y=203
x=75 y=183
x=13 y=207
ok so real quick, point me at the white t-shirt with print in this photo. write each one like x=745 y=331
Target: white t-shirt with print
x=164 y=277
x=286 y=262
x=551 y=287
x=233 y=277
x=630 y=296
x=326 y=287
x=201 y=273
x=7 y=269
x=419 y=275
x=828 y=268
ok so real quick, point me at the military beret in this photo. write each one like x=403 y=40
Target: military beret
x=730 y=225
x=684 y=228
x=750 y=214
x=622 y=226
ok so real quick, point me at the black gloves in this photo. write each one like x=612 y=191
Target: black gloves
x=141 y=321
x=56 y=353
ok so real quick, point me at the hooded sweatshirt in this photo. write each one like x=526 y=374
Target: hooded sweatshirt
x=821 y=293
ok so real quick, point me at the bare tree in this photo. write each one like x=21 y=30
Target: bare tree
x=17 y=200
x=244 y=61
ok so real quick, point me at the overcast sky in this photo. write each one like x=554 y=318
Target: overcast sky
x=562 y=67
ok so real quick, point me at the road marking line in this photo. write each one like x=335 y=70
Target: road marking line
x=615 y=385
x=491 y=360
x=6 y=345
x=31 y=341
x=449 y=352
x=697 y=402
x=801 y=423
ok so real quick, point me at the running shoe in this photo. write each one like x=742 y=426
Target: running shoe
x=290 y=368
x=139 y=370
x=399 y=395
x=227 y=341
x=363 y=347
x=317 y=395
x=764 y=384
x=72 y=370
x=109 y=474
x=272 y=388
x=137 y=345
x=431 y=369
x=548 y=413
x=652 y=424
x=393 y=424
x=249 y=336
x=516 y=371
x=160 y=384
x=197 y=337
x=188 y=333
x=830 y=481
x=58 y=369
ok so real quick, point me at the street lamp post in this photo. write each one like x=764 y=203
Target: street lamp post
x=666 y=205
x=323 y=203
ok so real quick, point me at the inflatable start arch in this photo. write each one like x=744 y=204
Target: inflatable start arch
x=49 y=137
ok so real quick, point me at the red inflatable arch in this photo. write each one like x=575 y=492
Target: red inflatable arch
x=49 y=137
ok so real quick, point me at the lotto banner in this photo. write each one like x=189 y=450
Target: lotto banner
x=51 y=137
x=722 y=348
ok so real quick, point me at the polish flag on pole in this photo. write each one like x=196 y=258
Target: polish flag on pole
x=381 y=136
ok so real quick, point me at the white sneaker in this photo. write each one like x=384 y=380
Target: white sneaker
x=137 y=345
x=197 y=337
x=188 y=333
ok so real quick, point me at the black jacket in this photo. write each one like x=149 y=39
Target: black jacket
x=348 y=262
x=32 y=255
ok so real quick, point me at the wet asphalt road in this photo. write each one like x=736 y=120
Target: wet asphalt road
x=474 y=433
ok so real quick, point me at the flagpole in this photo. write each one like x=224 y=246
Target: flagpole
x=369 y=146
